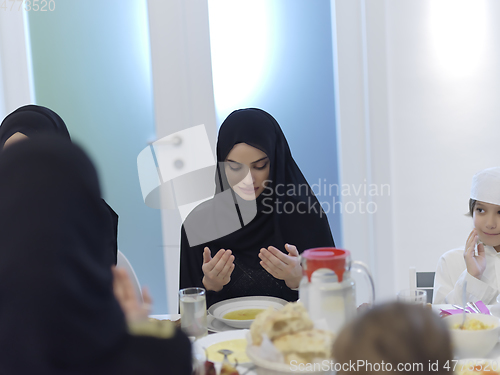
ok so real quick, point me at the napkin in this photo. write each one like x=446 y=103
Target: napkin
x=480 y=305
x=456 y=311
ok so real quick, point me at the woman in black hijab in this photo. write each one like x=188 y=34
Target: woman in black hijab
x=31 y=121
x=234 y=244
x=58 y=313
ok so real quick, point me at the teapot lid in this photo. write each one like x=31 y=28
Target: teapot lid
x=332 y=258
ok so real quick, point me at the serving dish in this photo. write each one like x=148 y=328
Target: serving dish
x=201 y=346
x=220 y=309
x=473 y=343
x=265 y=367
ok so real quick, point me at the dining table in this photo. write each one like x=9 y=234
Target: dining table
x=248 y=369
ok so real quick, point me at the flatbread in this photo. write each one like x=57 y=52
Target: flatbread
x=292 y=318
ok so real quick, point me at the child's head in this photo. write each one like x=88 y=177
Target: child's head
x=394 y=334
x=484 y=205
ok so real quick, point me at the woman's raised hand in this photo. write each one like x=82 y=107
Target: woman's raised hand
x=282 y=266
x=134 y=309
x=475 y=264
x=217 y=270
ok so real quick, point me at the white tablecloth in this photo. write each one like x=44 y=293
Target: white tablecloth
x=166 y=316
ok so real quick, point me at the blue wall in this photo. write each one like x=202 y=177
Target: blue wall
x=91 y=64
x=277 y=55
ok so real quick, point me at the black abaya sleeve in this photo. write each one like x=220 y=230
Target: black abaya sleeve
x=112 y=244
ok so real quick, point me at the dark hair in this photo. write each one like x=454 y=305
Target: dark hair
x=393 y=334
x=472 y=204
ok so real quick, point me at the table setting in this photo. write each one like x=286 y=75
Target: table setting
x=235 y=336
x=327 y=294
x=226 y=343
x=222 y=334
x=478 y=353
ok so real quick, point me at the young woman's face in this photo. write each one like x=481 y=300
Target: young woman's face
x=486 y=220
x=246 y=169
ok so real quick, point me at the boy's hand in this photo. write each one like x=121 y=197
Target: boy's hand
x=475 y=264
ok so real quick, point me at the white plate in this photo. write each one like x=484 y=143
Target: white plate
x=219 y=309
x=200 y=345
x=215 y=325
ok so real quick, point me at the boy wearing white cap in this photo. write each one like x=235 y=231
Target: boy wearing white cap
x=481 y=268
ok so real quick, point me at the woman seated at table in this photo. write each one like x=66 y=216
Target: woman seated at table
x=246 y=240
x=58 y=312
x=31 y=121
x=395 y=338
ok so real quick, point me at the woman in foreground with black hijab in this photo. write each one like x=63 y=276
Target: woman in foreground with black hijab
x=31 y=121
x=58 y=312
x=246 y=240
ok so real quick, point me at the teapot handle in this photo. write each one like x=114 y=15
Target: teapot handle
x=363 y=268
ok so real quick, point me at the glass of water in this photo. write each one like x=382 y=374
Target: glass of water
x=193 y=306
x=413 y=296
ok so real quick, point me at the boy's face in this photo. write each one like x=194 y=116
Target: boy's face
x=486 y=220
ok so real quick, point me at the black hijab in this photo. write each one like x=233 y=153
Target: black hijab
x=58 y=313
x=286 y=212
x=57 y=308
x=34 y=121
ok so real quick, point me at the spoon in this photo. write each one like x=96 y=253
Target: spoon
x=478 y=309
x=473 y=306
x=225 y=353
x=461 y=308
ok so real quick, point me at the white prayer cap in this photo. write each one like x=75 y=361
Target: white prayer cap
x=486 y=186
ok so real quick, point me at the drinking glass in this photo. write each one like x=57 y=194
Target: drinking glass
x=193 y=306
x=413 y=296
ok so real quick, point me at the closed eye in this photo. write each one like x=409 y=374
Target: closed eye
x=235 y=168
x=261 y=168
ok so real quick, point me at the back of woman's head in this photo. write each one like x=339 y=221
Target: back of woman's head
x=32 y=121
x=56 y=301
x=396 y=335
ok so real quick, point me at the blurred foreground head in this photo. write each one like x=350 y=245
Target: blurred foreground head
x=57 y=308
x=395 y=335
